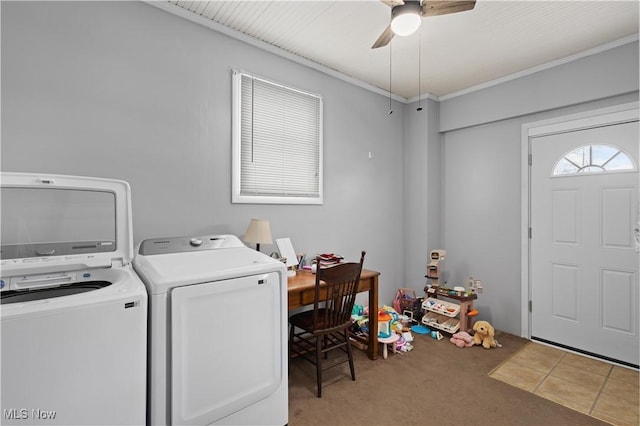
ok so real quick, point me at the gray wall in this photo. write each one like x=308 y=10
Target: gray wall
x=423 y=185
x=125 y=90
x=608 y=73
x=481 y=162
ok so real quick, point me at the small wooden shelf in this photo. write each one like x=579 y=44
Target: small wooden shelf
x=441 y=307
x=441 y=322
x=442 y=314
x=445 y=292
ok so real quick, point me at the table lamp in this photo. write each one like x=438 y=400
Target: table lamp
x=258 y=232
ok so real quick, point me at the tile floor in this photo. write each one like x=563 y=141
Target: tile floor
x=596 y=388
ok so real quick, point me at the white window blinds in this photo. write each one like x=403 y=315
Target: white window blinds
x=277 y=143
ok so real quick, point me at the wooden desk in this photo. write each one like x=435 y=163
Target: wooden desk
x=301 y=290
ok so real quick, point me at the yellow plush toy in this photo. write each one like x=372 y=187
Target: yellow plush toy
x=484 y=333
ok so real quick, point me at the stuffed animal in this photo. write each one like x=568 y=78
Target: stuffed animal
x=484 y=333
x=462 y=339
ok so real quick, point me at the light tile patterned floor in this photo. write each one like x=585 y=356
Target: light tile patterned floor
x=596 y=388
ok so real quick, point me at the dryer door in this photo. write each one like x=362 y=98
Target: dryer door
x=226 y=347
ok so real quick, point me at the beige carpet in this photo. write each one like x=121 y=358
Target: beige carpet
x=590 y=386
x=435 y=384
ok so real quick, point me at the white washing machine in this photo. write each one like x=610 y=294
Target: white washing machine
x=218 y=332
x=74 y=313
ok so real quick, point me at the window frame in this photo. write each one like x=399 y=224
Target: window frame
x=581 y=172
x=237 y=197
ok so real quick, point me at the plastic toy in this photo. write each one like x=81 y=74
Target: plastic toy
x=433 y=268
x=404 y=343
x=420 y=329
x=384 y=327
x=405 y=299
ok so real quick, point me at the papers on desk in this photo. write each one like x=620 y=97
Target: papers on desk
x=329 y=259
x=286 y=251
x=285 y=247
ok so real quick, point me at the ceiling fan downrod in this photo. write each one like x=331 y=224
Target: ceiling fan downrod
x=390 y=109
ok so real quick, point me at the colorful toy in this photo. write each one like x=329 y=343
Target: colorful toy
x=433 y=268
x=405 y=299
x=384 y=326
x=484 y=333
x=404 y=343
x=462 y=339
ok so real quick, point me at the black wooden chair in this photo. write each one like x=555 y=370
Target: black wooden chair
x=326 y=327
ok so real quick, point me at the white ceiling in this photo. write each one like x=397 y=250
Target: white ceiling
x=458 y=52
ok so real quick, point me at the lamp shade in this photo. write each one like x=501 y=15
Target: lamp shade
x=258 y=232
x=406 y=18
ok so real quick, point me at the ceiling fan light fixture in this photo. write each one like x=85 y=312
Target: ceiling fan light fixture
x=406 y=19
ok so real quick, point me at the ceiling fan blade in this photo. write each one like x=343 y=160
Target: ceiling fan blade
x=384 y=38
x=435 y=8
x=392 y=3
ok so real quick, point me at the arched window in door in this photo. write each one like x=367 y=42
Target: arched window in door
x=593 y=159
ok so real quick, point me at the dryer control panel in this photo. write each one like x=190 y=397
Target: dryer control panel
x=187 y=244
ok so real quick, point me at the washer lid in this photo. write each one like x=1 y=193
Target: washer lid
x=60 y=223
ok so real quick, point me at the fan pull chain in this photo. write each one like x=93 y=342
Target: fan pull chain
x=390 y=109
x=419 y=69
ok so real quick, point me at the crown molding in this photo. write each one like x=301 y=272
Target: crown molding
x=542 y=67
x=183 y=13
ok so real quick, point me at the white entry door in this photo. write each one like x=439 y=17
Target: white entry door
x=584 y=263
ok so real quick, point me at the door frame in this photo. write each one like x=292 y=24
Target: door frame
x=584 y=120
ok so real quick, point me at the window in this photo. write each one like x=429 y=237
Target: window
x=277 y=143
x=593 y=159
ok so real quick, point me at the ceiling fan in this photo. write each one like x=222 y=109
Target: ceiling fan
x=406 y=15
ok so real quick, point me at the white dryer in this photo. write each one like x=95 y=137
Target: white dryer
x=218 y=332
x=74 y=313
